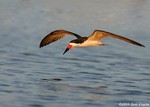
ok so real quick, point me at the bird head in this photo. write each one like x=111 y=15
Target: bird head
x=68 y=48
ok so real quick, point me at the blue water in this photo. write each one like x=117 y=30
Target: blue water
x=84 y=77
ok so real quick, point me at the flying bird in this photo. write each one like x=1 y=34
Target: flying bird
x=93 y=40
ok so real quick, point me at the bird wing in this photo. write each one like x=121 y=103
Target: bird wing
x=100 y=35
x=56 y=35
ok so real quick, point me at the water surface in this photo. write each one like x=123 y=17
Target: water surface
x=91 y=77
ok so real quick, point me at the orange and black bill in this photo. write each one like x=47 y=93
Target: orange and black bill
x=67 y=49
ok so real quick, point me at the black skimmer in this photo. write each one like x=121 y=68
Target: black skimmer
x=92 y=40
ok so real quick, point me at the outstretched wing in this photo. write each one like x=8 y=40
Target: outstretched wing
x=100 y=35
x=56 y=35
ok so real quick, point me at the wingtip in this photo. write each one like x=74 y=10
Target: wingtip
x=142 y=45
x=40 y=46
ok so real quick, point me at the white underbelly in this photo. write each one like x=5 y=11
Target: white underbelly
x=88 y=44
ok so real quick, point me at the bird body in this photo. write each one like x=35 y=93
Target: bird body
x=93 y=40
x=87 y=43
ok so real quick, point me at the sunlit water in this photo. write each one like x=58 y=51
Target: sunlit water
x=93 y=77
